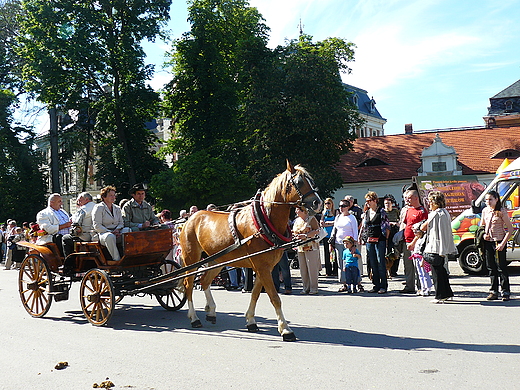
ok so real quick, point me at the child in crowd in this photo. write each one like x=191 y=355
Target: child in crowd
x=423 y=268
x=350 y=259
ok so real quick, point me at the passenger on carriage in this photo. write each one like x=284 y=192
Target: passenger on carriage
x=137 y=213
x=82 y=229
x=54 y=221
x=108 y=221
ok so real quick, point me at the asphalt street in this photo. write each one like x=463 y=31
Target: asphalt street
x=361 y=341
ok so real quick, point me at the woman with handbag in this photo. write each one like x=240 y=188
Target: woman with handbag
x=439 y=244
x=495 y=221
x=376 y=227
x=327 y=222
x=306 y=227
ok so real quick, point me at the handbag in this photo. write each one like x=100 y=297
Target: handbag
x=434 y=259
x=322 y=233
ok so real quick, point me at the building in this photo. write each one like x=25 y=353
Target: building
x=386 y=164
x=374 y=122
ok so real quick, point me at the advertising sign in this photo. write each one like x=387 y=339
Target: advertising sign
x=458 y=190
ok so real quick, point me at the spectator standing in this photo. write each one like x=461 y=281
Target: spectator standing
x=9 y=232
x=345 y=224
x=3 y=247
x=439 y=243
x=393 y=217
x=351 y=256
x=496 y=220
x=306 y=227
x=354 y=209
x=327 y=222
x=415 y=212
x=375 y=224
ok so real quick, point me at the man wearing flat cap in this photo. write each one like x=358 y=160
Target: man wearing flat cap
x=137 y=213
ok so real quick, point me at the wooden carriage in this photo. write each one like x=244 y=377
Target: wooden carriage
x=46 y=276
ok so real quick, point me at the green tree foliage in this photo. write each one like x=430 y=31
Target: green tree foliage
x=9 y=60
x=197 y=180
x=235 y=99
x=308 y=117
x=23 y=187
x=213 y=65
x=86 y=55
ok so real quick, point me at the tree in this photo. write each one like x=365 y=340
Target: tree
x=9 y=60
x=23 y=187
x=22 y=190
x=212 y=64
x=197 y=179
x=308 y=117
x=253 y=107
x=86 y=55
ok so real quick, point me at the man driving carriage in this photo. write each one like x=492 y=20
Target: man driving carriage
x=138 y=213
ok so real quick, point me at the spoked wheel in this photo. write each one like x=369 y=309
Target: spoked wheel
x=97 y=297
x=175 y=298
x=34 y=285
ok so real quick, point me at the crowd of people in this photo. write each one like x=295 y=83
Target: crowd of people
x=419 y=235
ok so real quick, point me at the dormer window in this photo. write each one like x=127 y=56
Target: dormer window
x=371 y=162
x=439 y=166
x=355 y=100
x=509 y=105
x=506 y=153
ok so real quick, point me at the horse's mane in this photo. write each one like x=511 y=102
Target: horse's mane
x=280 y=186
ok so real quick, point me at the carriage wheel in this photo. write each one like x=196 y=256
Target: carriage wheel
x=175 y=298
x=97 y=298
x=34 y=285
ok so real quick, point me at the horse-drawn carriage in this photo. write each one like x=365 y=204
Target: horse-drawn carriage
x=253 y=236
x=46 y=276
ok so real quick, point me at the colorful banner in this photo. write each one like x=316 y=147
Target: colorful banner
x=458 y=190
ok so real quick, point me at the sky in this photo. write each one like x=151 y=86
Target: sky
x=431 y=63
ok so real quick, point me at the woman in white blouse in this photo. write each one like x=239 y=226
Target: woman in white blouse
x=345 y=224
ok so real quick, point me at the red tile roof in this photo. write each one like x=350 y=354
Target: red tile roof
x=402 y=153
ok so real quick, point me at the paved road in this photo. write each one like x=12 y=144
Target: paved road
x=358 y=341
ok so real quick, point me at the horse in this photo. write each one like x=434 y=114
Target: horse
x=249 y=232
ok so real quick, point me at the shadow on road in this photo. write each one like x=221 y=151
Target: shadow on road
x=154 y=319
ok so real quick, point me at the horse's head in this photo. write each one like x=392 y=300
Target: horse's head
x=304 y=187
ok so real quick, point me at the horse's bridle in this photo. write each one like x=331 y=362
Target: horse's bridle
x=297 y=182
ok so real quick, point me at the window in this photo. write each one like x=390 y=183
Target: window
x=439 y=166
x=507 y=153
x=509 y=105
x=372 y=162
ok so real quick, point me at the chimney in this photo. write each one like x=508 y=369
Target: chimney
x=408 y=129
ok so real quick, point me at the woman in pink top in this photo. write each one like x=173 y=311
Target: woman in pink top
x=496 y=221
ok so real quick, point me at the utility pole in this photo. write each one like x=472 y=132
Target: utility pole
x=53 y=138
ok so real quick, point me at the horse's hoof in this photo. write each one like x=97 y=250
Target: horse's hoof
x=289 y=337
x=212 y=319
x=253 y=328
x=196 y=324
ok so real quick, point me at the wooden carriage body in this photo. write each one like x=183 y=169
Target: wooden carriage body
x=45 y=275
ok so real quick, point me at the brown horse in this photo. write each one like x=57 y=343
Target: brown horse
x=257 y=225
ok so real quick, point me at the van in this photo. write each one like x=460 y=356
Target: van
x=506 y=183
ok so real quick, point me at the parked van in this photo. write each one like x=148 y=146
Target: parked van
x=506 y=183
